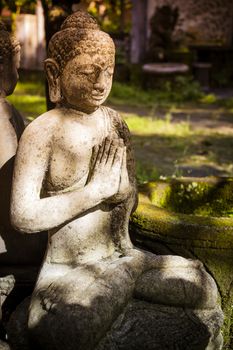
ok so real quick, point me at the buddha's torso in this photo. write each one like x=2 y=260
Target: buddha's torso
x=89 y=236
x=73 y=140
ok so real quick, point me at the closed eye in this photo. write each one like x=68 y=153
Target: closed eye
x=87 y=72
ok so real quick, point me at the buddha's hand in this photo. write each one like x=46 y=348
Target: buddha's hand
x=106 y=168
x=124 y=187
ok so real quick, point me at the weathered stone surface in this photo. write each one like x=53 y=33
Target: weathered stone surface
x=149 y=326
x=17 y=328
x=77 y=180
x=20 y=256
x=11 y=126
x=4 y=346
x=11 y=122
x=6 y=286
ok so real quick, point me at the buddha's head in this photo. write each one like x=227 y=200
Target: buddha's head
x=80 y=64
x=9 y=61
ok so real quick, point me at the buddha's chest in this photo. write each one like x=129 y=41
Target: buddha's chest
x=71 y=153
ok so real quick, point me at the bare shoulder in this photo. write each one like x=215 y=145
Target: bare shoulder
x=117 y=121
x=112 y=113
x=42 y=128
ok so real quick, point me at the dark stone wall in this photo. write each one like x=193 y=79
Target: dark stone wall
x=200 y=21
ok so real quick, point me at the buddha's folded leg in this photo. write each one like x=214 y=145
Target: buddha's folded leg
x=178 y=307
x=174 y=280
x=68 y=309
x=188 y=287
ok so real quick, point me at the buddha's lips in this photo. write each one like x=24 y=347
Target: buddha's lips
x=98 y=97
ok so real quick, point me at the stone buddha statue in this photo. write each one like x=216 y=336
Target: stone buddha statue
x=18 y=253
x=11 y=127
x=11 y=122
x=75 y=177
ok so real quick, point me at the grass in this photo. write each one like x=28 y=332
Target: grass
x=182 y=90
x=29 y=95
x=156 y=126
x=30 y=106
x=122 y=94
x=163 y=144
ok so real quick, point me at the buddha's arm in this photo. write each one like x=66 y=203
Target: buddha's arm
x=8 y=138
x=128 y=185
x=29 y=212
x=130 y=164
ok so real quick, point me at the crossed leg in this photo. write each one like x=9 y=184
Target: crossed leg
x=76 y=310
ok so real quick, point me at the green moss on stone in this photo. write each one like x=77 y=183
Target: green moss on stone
x=192 y=216
x=211 y=197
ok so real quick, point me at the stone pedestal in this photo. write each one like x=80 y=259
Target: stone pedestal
x=156 y=74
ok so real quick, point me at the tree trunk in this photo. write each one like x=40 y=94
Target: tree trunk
x=122 y=17
x=139 y=26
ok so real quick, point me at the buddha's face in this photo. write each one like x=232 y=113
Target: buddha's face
x=9 y=74
x=86 y=81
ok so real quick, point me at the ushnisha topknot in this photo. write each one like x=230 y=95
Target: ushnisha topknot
x=79 y=34
x=8 y=44
x=81 y=20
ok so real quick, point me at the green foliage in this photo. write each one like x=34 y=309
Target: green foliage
x=212 y=99
x=111 y=14
x=184 y=89
x=145 y=173
x=29 y=95
x=223 y=77
x=30 y=106
x=31 y=83
x=31 y=88
x=24 y=6
x=227 y=103
x=127 y=94
x=209 y=99
x=200 y=198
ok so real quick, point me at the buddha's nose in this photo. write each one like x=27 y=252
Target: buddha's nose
x=100 y=83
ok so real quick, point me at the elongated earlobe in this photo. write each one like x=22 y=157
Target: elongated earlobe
x=52 y=72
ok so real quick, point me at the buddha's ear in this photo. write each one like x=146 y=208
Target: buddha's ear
x=53 y=75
